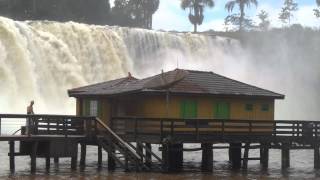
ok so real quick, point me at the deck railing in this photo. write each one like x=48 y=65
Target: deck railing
x=197 y=128
x=39 y=124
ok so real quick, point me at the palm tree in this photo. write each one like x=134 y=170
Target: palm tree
x=242 y=4
x=196 y=8
x=318 y=2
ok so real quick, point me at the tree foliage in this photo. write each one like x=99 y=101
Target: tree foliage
x=317 y=10
x=240 y=19
x=264 y=20
x=289 y=7
x=196 y=8
x=134 y=13
x=85 y=11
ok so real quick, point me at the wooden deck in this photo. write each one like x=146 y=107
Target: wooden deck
x=56 y=136
x=158 y=130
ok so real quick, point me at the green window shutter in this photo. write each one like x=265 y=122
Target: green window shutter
x=188 y=109
x=222 y=110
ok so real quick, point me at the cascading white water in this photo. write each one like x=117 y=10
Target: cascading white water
x=40 y=60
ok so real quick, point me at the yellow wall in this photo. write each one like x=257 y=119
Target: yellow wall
x=155 y=107
x=105 y=113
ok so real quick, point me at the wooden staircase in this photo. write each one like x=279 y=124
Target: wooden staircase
x=123 y=153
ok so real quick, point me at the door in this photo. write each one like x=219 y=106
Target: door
x=222 y=110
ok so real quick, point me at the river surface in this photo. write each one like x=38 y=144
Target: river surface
x=301 y=167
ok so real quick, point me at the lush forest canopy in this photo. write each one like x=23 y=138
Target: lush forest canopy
x=139 y=13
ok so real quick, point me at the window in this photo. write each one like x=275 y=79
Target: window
x=91 y=108
x=265 y=107
x=249 y=107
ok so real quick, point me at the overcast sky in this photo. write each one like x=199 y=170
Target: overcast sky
x=171 y=17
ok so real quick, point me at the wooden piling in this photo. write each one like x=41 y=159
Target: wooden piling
x=11 y=156
x=34 y=156
x=246 y=156
x=207 y=157
x=56 y=160
x=264 y=155
x=235 y=155
x=285 y=156
x=172 y=155
x=316 y=157
x=83 y=152
x=139 y=150
x=99 y=157
x=148 y=161
x=47 y=163
x=111 y=161
x=74 y=161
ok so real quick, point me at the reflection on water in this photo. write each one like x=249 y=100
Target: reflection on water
x=301 y=168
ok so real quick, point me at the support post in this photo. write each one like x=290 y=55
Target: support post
x=47 y=163
x=148 y=155
x=99 y=157
x=111 y=162
x=246 y=156
x=316 y=157
x=264 y=155
x=235 y=155
x=285 y=156
x=56 y=160
x=74 y=161
x=140 y=150
x=207 y=157
x=34 y=156
x=11 y=155
x=83 y=153
x=172 y=155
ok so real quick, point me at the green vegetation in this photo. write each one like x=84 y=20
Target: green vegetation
x=317 y=11
x=134 y=13
x=240 y=19
x=287 y=11
x=139 y=13
x=265 y=23
x=196 y=8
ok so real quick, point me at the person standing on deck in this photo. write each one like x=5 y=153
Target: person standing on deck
x=30 y=108
x=29 y=120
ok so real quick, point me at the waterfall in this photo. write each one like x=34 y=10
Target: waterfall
x=40 y=60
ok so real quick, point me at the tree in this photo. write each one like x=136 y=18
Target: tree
x=287 y=11
x=142 y=11
x=134 y=13
x=196 y=8
x=242 y=4
x=317 y=11
x=265 y=23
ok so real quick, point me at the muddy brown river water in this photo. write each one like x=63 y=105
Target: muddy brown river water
x=301 y=168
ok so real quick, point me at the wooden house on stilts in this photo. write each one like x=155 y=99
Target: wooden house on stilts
x=180 y=106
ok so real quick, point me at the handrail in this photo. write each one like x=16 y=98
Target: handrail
x=73 y=117
x=215 y=119
x=16 y=131
x=118 y=138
